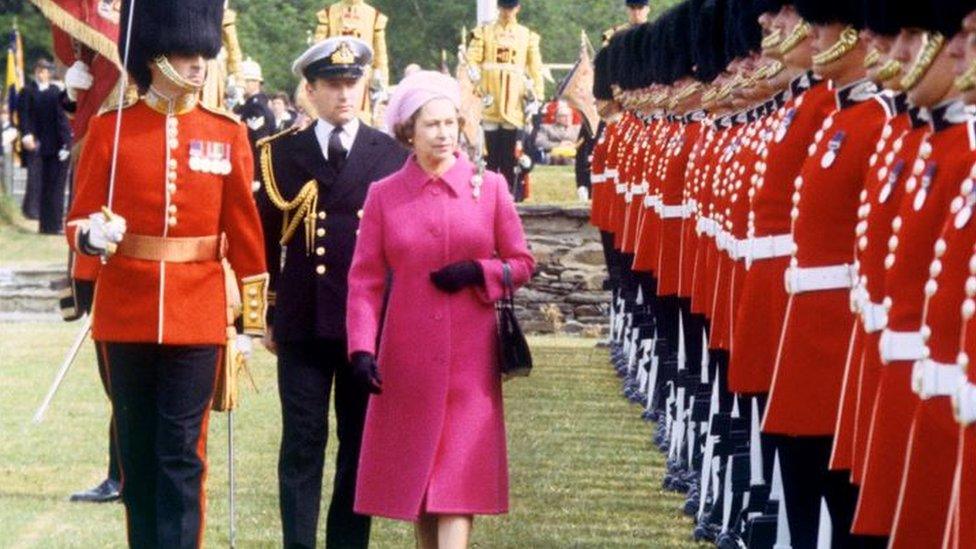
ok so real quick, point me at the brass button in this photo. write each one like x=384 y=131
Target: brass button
x=254 y=316
x=172 y=208
x=320 y=270
x=252 y=292
x=171 y=176
x=359 y=214
x=172 y=221
x=320 y=251
x=254 y=303
x=320 y=232
x=171 y=188
x=321 y=215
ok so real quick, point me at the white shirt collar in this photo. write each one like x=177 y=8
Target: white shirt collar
x=323 y=129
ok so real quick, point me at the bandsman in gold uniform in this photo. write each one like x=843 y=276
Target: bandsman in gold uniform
x=358 y=19
x=510 y=64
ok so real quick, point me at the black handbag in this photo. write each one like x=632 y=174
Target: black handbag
x=514 y=356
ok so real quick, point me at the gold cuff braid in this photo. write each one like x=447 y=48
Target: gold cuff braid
x=254 y=303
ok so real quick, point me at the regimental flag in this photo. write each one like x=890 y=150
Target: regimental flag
x=14 y=80
x=93 y=23
x=577 y=88
x=87 y=30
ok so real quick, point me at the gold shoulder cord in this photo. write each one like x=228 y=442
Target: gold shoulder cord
x=302 y=207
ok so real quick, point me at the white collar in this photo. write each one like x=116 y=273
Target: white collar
x=323 y=129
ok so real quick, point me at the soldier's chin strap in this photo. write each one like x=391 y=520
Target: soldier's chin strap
x=174 y=77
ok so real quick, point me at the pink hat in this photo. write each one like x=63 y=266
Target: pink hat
x=415 y=91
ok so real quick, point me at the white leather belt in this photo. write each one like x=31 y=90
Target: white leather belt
x=769 y=247
x=721 y=238
x=621 y=188
x=596 y=179
x=610 y=174
x=639 y=189
x=711 y=227
x=740 y=249
x=900 y=346
x=505 y=67
x=935 y=379
x=672 y=212
x=874 y=317
x=817 y=279
x=964 y=404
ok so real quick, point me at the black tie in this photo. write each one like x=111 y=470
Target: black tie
x=337 y=153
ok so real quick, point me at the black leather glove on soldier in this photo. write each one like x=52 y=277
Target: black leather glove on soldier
x=366 y=372
x=457 y=276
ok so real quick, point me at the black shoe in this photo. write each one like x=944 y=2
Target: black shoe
x=107 y=491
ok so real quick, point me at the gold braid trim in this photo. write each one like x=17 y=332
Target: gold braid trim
x=301 y=208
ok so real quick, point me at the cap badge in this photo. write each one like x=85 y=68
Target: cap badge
x=343 y=55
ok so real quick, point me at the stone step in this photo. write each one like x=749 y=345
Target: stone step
x=31 y=293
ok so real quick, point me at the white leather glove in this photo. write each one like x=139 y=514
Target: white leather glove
x=244 y=345
x=77 y=77
x=29 y=142
x=64 y=155
x=105 y=232
x=583 y=193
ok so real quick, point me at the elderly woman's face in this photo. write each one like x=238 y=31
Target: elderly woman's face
x=436 y=131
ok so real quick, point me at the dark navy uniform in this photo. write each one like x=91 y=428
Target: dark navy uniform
x=310 y=207
x=260 y=121
x=42 y=116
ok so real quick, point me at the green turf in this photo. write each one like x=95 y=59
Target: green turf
x=21 y=245
x=583 y=473
x=552 y=185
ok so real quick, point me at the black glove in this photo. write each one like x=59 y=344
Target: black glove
x=456 y=276
x=366 y=373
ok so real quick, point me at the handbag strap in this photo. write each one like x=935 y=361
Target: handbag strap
x=507 y=282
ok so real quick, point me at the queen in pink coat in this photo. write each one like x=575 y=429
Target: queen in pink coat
x=435 y=235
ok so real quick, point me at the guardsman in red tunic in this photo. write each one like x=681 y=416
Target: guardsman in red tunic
x=812 y=353
x=884 y=184
x=934 y=176
x=926 y=482
x=162 y=210
x=960 y=528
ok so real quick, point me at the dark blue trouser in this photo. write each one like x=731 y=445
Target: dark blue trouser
x=161 y=398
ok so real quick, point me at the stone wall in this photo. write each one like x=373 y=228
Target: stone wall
x=566 y=295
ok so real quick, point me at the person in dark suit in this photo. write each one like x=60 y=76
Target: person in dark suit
x=46 y=137
x=255 y=112
x=314 y=184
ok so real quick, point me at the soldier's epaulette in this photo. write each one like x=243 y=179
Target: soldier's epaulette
x=221 y=112
x=114 y=106
x=264 y=141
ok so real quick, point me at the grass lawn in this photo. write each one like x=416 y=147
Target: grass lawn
x=552 y=185
x=21 y=245
x=583 y=473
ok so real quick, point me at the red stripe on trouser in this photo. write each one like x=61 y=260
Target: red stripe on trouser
x=202 y=451
x=103 y=348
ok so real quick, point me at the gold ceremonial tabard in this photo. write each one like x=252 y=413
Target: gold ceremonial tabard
x=506 y=54
x=358 y=19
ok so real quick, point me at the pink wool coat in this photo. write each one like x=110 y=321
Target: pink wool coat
x=435 y=439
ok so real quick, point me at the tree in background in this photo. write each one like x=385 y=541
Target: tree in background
x=274 y=32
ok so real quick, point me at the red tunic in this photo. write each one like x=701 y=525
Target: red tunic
x=160 y=195
x=810 y=363
x=942 y=162
x=690 y=195
x=759 y=319
x=673 y=211
x=873 y=249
